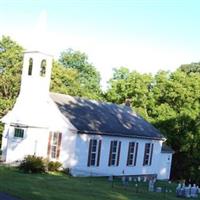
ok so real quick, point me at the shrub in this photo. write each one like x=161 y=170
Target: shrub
x=33 y=164
x=54 y=166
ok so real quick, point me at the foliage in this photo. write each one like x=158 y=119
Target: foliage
x=62 y=187
x=171 y=101
x=88 y=76
x=65 y=80
x=54 y=166
x=33 y=164
x=190 y=68
x=130 y=85
x=11 y=64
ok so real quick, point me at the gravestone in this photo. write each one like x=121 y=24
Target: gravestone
x=194 y=191
x=178 y=190
x=187 y=192
x=110 y=178
x=124 y=181
x=151 y=186
x=159 y=189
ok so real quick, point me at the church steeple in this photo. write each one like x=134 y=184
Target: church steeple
x=36 y=75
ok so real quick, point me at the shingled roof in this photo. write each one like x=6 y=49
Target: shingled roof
x=93 y=117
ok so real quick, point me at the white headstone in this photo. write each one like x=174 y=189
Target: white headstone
x=158 y=189
x=151 y=186
x=110 y=178
x=194 y=191
x=187 y=192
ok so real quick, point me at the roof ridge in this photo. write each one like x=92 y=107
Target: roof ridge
x=93 y=100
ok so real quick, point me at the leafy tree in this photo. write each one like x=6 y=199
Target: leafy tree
x=130 y=85
x=176 y=114
x=189 y=68
x=88 y=76
x=171 y=101
x=65 y=80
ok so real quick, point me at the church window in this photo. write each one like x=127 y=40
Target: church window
x=132 y=154
x=148 y=153
x=115 y=147
x=43 y=68
x=54 y=145
x=94 y=152
x=30 y=67
x=19 y=133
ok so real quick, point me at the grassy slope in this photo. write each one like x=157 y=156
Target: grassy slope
x=62 y=187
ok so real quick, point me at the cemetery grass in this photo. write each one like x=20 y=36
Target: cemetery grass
x=63 y=187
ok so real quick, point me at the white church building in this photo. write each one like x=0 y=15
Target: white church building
x=86 y=136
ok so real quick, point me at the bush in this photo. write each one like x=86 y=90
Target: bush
x=33 y=164
x=54 y=166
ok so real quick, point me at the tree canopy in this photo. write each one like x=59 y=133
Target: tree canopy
x=89 y=77
x=171 y=101
x=190 y=68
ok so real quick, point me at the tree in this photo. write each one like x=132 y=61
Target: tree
x=88 y=76
x=65 y=80
x=130 y=85
x=176 y=114
x=189 y=68
x=171 y=101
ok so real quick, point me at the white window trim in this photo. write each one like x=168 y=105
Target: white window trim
x=53 y=145
x=19 y=138
x=96 y=153
x=116 y=153
x=149 y=162
x=135 y=152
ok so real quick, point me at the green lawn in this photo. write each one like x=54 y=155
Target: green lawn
x=63 y=187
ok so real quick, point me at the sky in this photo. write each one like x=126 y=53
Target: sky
x=143 y=35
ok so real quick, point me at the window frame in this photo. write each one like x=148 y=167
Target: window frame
x=43 y=68
x=22 y=131
x=132 y=153
x=94 y=152
x=54 y=145
x=148 y=154
x=30 y=67
x=115 y=151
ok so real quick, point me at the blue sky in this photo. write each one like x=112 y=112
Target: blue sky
x=146 y=36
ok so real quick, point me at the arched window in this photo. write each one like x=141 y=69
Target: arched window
x=43 y=68
x=30 y=67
